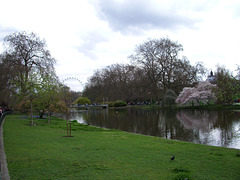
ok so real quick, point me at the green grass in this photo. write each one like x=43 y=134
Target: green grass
x=41 y=152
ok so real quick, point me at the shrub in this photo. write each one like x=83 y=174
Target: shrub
x=117 y=104
x=111 y=104
x=120 y=103
x=82 y=101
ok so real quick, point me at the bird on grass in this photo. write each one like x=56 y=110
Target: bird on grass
x=172 y=158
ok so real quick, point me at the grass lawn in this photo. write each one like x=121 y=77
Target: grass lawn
x=41 y=152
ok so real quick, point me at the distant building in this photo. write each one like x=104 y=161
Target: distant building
x=211 y=78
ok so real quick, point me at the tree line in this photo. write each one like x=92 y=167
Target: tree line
x=156 y=73
x=155 y=68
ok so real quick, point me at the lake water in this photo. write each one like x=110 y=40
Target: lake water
x=217 y=128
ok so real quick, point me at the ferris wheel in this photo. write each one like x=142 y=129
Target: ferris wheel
x=74 y=83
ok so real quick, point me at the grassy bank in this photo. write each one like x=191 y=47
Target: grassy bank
x=41 y=152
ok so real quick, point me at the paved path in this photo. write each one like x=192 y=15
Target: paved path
x=4 y=175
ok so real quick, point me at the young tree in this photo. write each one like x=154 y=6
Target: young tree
x=48 y=95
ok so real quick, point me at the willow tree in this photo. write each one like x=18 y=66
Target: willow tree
x=28 y=61
x=27 y=53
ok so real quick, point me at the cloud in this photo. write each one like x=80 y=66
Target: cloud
x=90 y=34
x=136 y=16
x=90 y=42
x=5 y=30
x=236 y=8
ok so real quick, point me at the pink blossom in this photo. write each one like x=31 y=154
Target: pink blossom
x=201 y=95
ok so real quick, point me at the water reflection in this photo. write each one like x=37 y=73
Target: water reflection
x=218 y=128
x=211 y=127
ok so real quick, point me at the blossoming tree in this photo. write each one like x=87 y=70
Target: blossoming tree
x=201 y=95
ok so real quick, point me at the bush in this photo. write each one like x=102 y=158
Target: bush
x=120 y=103
x=111 y=104
x=82 y=101
x=117 y=104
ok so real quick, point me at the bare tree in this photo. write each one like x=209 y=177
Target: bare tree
x=159 y=58
x=94 y=88
x=155 y=68
x=7 y=75
x=27 y=52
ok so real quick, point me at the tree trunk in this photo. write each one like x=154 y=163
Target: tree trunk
x=48 y=115
x=31 y=112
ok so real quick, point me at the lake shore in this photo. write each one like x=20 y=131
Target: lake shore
x=235 y=106
x=43 y=152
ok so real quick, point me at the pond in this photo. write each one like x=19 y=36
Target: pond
x=217 y=128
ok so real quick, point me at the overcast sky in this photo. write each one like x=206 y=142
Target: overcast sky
x=86 y=35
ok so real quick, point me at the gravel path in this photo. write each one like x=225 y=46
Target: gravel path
x=4 y=175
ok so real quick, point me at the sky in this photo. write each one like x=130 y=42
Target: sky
x=86 y=35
